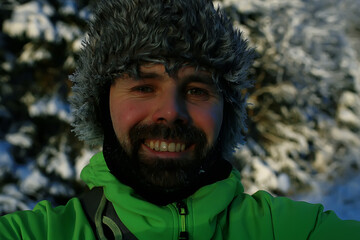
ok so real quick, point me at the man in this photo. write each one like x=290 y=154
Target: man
x=159 y=86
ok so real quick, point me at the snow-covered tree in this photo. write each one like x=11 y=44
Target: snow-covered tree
x=304 y=109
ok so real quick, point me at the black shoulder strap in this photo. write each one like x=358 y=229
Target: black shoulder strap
x=102 y=216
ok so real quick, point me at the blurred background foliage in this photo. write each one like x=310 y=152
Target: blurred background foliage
x=304 y=109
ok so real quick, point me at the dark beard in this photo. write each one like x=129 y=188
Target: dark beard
x=168 y=173
x=163 y=181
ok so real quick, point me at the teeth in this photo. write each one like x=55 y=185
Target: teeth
x=178 y=147
x=165 y=147
x=182 y=148
x=156 y=146
x=171 y=147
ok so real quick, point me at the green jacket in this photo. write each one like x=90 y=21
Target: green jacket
x=217 y=211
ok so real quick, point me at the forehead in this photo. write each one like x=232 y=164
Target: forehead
x=185 y=72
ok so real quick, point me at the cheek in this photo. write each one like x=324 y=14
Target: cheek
x=209 y=120
x=125 y=115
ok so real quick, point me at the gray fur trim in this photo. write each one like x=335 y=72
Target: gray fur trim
x=125 y=33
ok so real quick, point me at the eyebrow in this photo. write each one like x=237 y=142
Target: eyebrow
x=194 y=77
x=201 y=78
x=149 y=75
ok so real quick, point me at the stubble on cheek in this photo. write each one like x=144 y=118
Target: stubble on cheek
x=125 y=143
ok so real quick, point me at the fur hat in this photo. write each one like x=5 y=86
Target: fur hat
x=126 y=33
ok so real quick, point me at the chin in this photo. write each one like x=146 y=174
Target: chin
x=168 y=173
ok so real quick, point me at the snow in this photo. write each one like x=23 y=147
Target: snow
x=51 y=106
x=68 y=7
x=8 y=64
x=68 y=32
x=284 y=183
x=34 y=182
x=11 y=204
x=58 y=188
x=341 y=196
x=19 y=139
x=82 y=160
x=86 y=13
x=77 y=44
x=349 y=109
x=309 y=132
x=56 y=160
x=32 y=20
x=13 y=191
x=32 y=53
x=6 y=159
x=24 y=170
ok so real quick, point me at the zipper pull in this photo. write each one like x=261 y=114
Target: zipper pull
x=183 y=211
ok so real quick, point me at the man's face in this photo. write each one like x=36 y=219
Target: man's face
x=175 y=120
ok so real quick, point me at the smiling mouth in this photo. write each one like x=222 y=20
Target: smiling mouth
x=162 y=146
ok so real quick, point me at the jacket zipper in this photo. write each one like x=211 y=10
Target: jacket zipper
x=183 y=211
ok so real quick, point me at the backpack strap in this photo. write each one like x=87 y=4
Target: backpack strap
x=102 y=216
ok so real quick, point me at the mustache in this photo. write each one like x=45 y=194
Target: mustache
x=180 y=132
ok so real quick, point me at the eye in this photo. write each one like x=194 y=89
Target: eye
x=142 y=89
x=197 y=93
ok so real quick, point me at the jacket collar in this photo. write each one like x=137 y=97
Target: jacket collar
x=149 y=221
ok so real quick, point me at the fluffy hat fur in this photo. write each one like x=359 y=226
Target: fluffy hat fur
x=126 y=33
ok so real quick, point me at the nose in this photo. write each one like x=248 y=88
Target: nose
x=171 y=109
